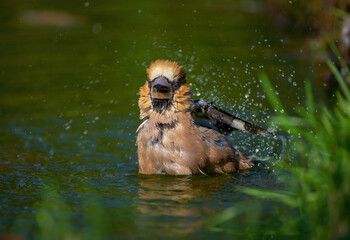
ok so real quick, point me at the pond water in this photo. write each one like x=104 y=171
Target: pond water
x=69 y=78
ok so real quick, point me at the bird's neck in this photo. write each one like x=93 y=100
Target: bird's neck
x=169 y=118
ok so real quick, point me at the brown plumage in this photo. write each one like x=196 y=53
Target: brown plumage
x=170 y=142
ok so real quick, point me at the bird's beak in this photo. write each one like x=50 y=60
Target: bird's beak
x=161 y=89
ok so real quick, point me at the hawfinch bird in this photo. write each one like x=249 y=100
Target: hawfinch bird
x=180 y=136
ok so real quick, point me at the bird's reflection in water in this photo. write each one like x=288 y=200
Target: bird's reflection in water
x=182 y=205
x=178 y=204
x=167 y=196
x=193 y=196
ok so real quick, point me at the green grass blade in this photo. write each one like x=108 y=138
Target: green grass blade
x=340 y=79
x=309 y=98
x=337 y=54
x=270 y=93
x=285 y=197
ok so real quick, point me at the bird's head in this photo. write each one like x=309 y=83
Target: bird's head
x=165 y=90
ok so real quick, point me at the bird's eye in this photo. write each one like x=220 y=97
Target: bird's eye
x=176 y=85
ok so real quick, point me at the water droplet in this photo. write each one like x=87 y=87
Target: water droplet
x=97 y=28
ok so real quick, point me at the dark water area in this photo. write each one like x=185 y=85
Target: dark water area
x=69 y=78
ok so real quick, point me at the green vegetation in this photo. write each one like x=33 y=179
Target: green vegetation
x=316 y=180
x=56 y=219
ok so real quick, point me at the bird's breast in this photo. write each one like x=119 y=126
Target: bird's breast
x=175 y=149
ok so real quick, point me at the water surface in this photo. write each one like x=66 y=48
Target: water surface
x=69 y=77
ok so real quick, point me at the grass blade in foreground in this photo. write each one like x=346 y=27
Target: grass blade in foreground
x=270 y=92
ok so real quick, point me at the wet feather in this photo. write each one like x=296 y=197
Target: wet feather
x=170 y=142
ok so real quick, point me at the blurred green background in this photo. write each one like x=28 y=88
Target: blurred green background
x=69 y=78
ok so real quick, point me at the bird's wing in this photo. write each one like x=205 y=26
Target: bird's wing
x=207 y=115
